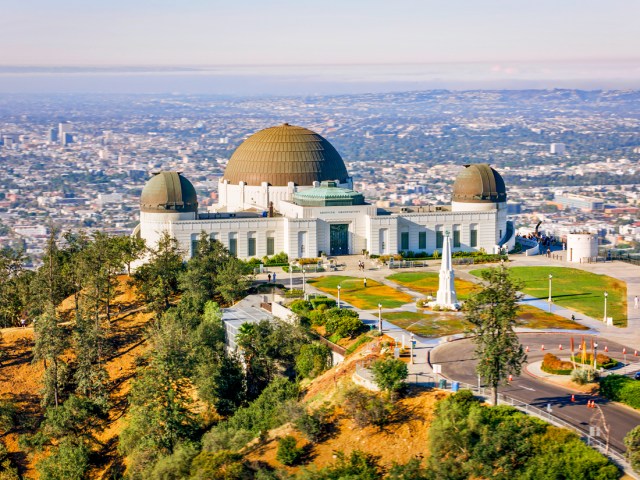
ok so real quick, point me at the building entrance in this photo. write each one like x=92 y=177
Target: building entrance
x=339 y=238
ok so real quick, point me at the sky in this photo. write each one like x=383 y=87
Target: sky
x=561 y=39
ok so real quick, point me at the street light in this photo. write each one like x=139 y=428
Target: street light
x=380 y=317
x=595 y=355
x=605 y=306
x=339 y=287
x=550 y=277
x=412 y=348
x=304 y=284
x=290 y=275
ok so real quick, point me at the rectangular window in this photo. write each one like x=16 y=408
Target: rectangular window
x=473 y=240
x=439 y=239
x=251 y=247
x=456 y=239
x=271 y=246
x=233 y=246
x=404 y=241
x=422 y=240
x=194 y=247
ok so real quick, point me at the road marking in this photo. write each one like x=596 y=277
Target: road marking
x=527 y=388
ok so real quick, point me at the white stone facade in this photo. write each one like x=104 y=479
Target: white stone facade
x=304 y=232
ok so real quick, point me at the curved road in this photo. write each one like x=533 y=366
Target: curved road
x=458 y=363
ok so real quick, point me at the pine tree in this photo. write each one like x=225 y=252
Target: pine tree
x=50 y=340
x=493 y=312
x=157 y=279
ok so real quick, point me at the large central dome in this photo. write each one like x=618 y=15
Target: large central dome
x=283 y=154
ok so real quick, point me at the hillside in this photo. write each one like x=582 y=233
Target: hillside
x=21 y=379
x=405 y=434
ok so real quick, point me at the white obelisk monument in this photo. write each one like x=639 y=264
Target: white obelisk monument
x=446 y=290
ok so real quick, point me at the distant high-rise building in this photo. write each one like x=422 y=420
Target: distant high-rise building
x=53 y=135
x=557 y=149
x=63 y=128
x=66 y=139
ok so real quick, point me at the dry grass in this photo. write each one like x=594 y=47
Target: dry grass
x=406 y=436
x=532 y=317
x=20 y=379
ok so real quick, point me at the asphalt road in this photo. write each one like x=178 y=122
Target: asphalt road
x=458 y=363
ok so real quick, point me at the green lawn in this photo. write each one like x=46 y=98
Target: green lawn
x=353 y=291
x=440 y=324
x=427 y=283
x=575 y=289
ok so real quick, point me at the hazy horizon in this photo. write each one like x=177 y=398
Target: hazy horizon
x=318 y=79
x=298 y=47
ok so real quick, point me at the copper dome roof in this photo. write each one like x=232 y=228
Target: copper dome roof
x=168 y=192
x=283 y=154
x=479 y=183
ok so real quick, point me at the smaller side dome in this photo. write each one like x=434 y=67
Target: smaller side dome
x=168 y=192
x=479 y=183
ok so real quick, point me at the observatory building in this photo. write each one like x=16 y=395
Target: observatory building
x=286 y=189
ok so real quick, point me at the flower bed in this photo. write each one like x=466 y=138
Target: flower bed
x=552 y=364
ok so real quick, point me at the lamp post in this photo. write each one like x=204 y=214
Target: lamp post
x=412 y=349
x=549 y=300
x=339 y=287
x=605 y=306
x=595 y=355
x=290 y=275
x=380 y=317
x=304 y=284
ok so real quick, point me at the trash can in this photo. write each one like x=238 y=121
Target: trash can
x=442 y=384
x=455 y=386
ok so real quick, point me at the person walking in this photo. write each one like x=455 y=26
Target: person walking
x=269 y=278
x=274 y=277
x=23 y=322
x=365 y=282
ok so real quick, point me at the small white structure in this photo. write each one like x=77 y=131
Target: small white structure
x=447 y=298
x=557 y=149
x=582 y=247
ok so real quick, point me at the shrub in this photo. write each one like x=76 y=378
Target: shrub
x=277 y=259
x=632 y=442
x=602 y=361
x=342 y=322
x=308 y=261
x=223 y=465
x=288 y=452
x=367 y=408
x=70 y=460
x=294 y=293
x=317 y=318
x=390 y=374
x=582 y=376
x=301 y=307
x=315 y=425
x=313 y=359
x=621 y=389
x=8 y=471
x=552 y=364
x=323 y=301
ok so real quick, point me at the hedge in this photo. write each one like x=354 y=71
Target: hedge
x=621 y=389
x=602 y=361
x=552 y=364
x=329 y=302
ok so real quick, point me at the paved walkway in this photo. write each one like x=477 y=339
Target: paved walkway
x=623 y=271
